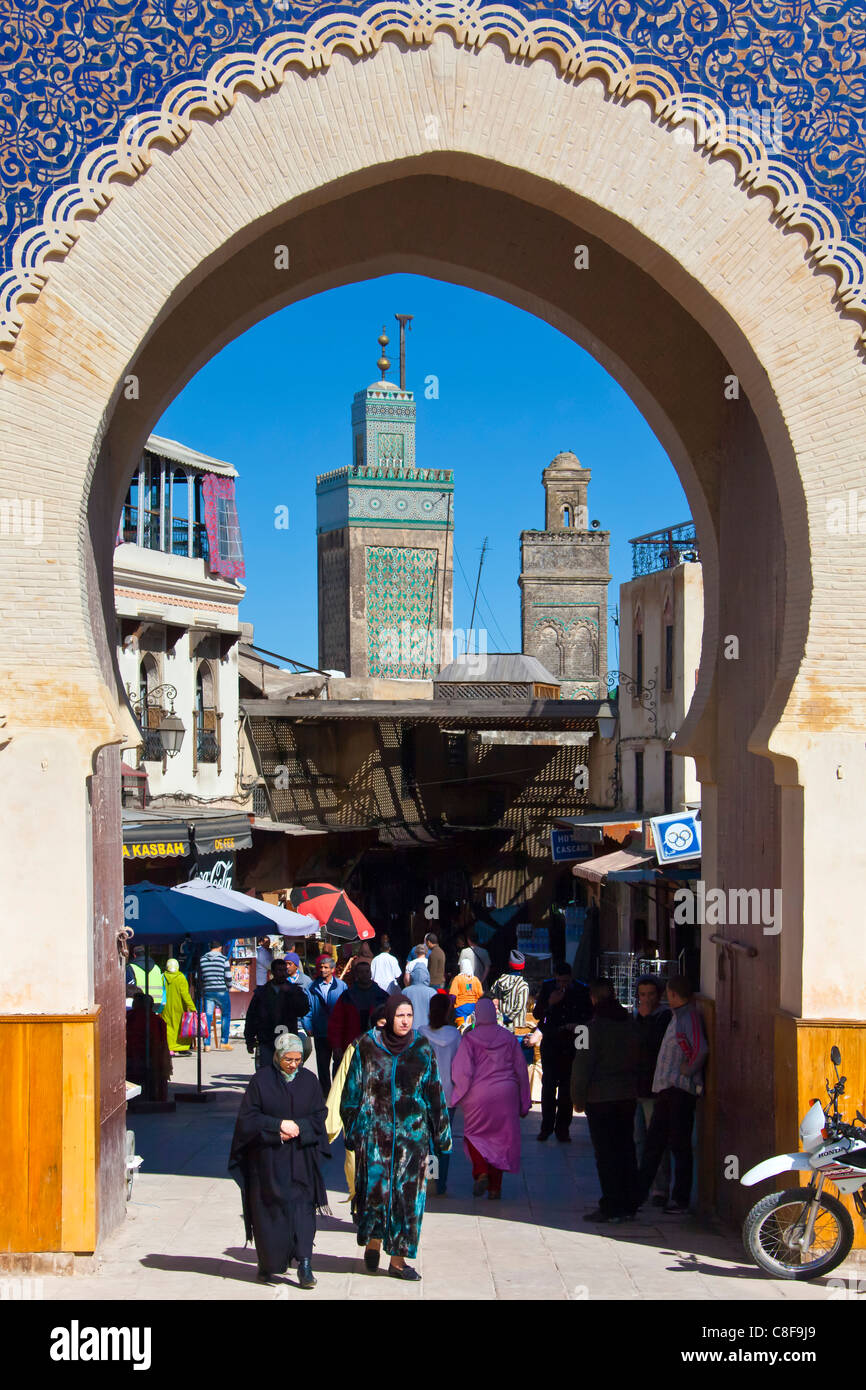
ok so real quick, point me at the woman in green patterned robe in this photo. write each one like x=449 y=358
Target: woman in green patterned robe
x=394 y=1114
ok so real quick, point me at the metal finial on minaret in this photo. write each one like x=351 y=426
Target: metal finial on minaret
x=403 y=320
x=383 y=340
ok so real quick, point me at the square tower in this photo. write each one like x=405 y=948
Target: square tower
x=385 y=547
x=565 y=571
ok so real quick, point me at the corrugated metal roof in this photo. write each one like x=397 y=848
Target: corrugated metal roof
x=182 y=453
x=453 y=714
x=485 y=668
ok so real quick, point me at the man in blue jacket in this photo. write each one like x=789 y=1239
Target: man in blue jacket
x=324 y=993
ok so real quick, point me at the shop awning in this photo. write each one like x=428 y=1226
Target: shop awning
x=597 y=826
x=156 y=839
x=217 y=834
x=623 y=866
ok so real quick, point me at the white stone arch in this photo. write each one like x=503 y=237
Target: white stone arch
x=570 y=141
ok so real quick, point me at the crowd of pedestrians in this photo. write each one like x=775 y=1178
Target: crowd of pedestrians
x=397 y=1054
x=398 y=1049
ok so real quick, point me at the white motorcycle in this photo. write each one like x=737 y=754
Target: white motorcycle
x=803 y=1232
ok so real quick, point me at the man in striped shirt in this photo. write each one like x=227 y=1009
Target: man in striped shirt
x=512 y=992
x=216 y=976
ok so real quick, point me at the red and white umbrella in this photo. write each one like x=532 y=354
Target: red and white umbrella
x=338 y=914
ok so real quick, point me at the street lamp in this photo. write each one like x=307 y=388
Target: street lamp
x=606 y=726
x=170 y=730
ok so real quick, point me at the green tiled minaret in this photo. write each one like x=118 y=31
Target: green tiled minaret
x=385 y=546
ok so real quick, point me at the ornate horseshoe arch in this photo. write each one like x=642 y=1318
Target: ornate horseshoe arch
x=68 y=336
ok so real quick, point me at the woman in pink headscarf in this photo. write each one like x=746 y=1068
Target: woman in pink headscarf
x=491 y=1083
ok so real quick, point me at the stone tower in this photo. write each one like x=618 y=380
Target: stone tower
x=565 y=571
x=385 y=545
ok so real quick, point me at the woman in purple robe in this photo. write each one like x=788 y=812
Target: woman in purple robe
x=491 y=1083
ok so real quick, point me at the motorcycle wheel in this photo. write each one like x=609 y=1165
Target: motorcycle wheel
x=771 y=1227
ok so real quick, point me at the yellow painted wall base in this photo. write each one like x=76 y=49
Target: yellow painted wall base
x=49 y=1150
x=802 y=1065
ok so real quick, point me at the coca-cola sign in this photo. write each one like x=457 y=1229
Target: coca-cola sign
x=217 y=869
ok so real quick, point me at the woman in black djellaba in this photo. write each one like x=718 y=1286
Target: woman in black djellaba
x=279 y=1133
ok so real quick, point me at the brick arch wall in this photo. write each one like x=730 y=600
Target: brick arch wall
x=689 y=281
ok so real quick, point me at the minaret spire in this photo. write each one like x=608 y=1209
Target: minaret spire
x=403 y=320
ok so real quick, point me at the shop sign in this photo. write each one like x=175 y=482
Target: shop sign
x=564 y=846
x=157 y=849
x=216 y=869
x=676 y=837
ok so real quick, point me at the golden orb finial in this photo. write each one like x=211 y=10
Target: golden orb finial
x=383 y=340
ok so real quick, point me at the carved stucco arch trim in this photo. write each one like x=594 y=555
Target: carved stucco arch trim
x=417 y=23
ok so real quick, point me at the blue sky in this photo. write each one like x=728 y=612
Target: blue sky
x=513 y=392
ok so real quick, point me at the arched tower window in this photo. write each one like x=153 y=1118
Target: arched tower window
x=206 y=718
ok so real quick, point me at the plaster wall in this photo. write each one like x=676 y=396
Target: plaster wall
x=649 y=722
x=177 y=590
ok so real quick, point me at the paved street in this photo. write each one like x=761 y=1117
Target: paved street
x=183 y=1237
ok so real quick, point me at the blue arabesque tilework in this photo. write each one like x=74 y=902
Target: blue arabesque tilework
x=72 y=72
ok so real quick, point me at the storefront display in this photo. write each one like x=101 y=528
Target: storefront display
x=242 y=975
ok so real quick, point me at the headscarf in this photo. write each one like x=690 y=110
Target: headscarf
x=485 y=1013
x=389 y=1037
x=420 y=975
x=517 y=960
x=364 y=952
x=172 y=966
x=287 y=1042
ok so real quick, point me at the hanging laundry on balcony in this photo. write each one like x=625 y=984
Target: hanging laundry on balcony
x=223 y=527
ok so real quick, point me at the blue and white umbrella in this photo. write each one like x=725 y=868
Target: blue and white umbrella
x=280 y=920
x=156 y=914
